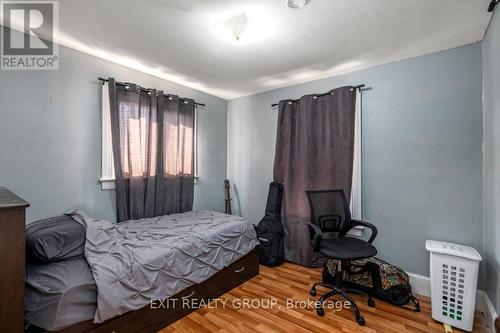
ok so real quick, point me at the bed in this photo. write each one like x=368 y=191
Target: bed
x=135 y=266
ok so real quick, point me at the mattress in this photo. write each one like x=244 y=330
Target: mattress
x=59 y=294
x=137 y=261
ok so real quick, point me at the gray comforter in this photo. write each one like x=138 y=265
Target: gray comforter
x=59 y=294
x=136 y=261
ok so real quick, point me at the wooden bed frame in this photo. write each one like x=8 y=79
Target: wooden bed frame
x=152 y=320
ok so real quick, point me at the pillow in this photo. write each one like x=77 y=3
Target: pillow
x=55 y=239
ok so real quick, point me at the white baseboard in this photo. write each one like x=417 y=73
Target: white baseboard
x=421 y=285
x=483 y=304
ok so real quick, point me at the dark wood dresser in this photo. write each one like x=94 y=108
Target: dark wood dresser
x=12 y=221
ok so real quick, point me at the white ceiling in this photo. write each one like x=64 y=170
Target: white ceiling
x=179 y=40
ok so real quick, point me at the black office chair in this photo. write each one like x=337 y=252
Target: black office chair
x=330 y=222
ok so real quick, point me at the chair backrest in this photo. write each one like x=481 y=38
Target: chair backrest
x=330 y=210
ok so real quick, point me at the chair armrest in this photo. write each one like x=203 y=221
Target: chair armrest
x=315 y=235
x=359 y=223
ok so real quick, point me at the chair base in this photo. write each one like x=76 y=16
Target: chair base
x=344 y=293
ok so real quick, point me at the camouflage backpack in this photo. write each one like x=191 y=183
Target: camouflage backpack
x=377 y=278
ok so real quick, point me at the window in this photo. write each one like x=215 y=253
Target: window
x=356 y=172
x=107 y=165
x=195 y=153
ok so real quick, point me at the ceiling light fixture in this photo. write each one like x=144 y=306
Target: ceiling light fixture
x=243 y=25
x=296 y=4
x=236 y=25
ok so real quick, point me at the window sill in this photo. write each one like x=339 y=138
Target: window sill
x=108 y=184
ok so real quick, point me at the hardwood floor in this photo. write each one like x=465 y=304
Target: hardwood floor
x=292 y=282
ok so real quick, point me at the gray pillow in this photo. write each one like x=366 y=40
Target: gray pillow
x=55 y=239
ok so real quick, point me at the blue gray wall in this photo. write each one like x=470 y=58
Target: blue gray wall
x=422 y=151
x=422 y=138
x=50 y=136
x=491 y=90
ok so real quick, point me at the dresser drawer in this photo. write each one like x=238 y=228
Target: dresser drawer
x=12 y=221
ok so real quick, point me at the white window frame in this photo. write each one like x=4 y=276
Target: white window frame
x=107 y=164
x=107 y=179
x=355 y=206
x=195 y=142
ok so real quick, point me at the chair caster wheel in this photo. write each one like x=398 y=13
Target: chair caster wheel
x=360 y=320
x=312 y=292
x=320 y=312
x=371 y=303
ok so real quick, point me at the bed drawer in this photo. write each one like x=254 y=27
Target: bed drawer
x=235 y=274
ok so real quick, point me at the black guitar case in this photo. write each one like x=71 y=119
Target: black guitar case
x=270 y=231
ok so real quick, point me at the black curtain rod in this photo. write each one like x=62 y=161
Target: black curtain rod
x=492 y=5
x=319 y=95
x=145 y=90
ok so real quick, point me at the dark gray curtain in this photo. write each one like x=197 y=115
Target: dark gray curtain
x=153 y=145
x=314 y=151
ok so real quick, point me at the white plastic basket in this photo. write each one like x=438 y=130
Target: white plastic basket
x=454 y=270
